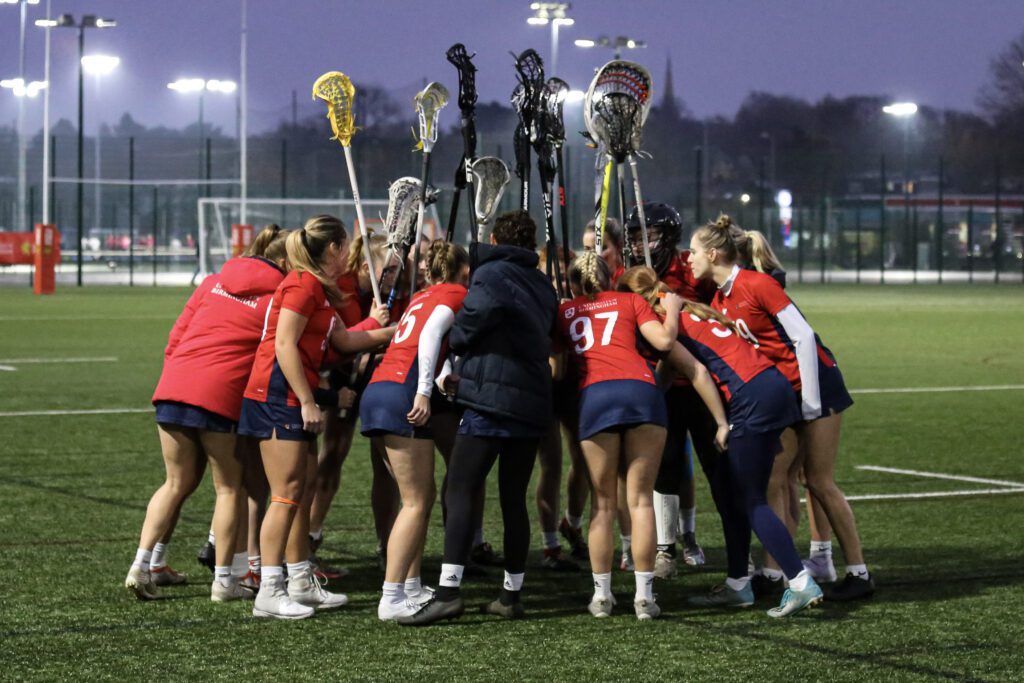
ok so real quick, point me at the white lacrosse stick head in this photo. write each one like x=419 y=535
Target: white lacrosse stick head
x=429 y=103
x=616 y=106
x=403 y=209
x=490 y=177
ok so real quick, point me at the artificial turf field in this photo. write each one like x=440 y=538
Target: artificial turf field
x=950 y=569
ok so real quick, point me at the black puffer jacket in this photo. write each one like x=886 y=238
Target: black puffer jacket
x=503 y=334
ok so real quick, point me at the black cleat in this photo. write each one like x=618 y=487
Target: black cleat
x=434 y=611
x=554 y=561
x=852 y=587
x=207 y=556
x=767 y=588
x=486 y=556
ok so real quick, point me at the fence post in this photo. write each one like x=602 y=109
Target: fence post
x=284 y=179
x=856 y=222
x=131 y=212
x=822 y=234
x=698 y=190
x=970 y=242
x=760 y=196
x=940 y=223
x=881 y=227
x=913 y=254
x=53 y=174
x=798 y=225
x=156 y=223
x=997 y=242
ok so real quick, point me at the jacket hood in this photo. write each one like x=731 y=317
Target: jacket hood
x=249 y=276
x=480 y=253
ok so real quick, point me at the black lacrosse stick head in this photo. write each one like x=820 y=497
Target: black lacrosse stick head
x=530 y=72
x=463 y=62
x=619 y=118
x=551 y=100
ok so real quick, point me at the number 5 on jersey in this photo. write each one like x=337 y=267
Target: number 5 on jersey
x=582 y=329
x=406 y=324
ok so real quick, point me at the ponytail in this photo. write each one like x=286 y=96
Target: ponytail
x=590 y=274
x=760 y=254
x=263 y=240
x=305 y=248
x=356 y=258
x=444 y=261
x=644 y=281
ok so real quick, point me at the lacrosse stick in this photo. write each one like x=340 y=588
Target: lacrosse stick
x=463 y=62
x=556 y=90
x=491 y=177
x=337 y=90
x=429 y=104
x=405 y=205
x=550 y=134
x=616 y=106
x=526 y=102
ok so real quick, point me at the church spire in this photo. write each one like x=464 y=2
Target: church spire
x=669 y=104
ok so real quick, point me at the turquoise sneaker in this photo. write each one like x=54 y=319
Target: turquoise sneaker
x=794 y=601
x=723 y=596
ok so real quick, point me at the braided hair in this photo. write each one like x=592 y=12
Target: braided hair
x=644 y=281
x=445 y=260
x=589 y=274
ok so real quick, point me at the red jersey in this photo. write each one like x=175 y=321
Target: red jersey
x=679 y=277
x=426 y=321
x=211 y=348
x=755 y=301
x=602 y=334
x=303 y=294
x=731 y=361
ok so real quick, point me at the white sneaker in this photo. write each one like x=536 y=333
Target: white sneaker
x=422 y=597
x=646 y=609
x=601 y=607
x=821 y=568
x=664 y=565
x=305 y=589
x=233 y=591
x=389 y=611
x=141 y=584
x=273 y=601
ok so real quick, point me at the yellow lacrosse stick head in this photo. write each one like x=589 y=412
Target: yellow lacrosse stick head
x=429 y=103
x=336 y=89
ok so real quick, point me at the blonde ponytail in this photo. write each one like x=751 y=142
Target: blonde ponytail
x=590 y=274
x=644 y=281
x=263 y=240
x=760 y=254
x=305 y=248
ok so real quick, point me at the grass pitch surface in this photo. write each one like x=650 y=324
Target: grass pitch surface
x=949 y=569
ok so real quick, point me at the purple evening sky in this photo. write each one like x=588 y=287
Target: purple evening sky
x=935 y=52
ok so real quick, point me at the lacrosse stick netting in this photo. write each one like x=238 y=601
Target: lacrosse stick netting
x=490 y=176
x=429 y=103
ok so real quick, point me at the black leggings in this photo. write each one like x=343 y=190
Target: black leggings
x=472 y=459
x=686 y=413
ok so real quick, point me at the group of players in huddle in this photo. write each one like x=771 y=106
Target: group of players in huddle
x=704 y=352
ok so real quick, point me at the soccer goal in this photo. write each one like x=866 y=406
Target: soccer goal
x=218 y=214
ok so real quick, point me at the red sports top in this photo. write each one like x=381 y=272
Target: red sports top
x=679 y=277
x=211 y=348
x=732 y=361
x=754 y=301
x=401 y=360
x=303 y=294
x=602 y=334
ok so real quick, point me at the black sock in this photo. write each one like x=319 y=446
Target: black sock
x=447 y=593
x=508 y=597
x=670 y=549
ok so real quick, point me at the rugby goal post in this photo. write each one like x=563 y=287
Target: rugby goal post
x=217 y=215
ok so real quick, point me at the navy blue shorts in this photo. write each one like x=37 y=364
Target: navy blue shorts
x=475 y=423
x=764 y=404
x=263 y=420
x=834 y=396
x=606 y=406
x=383 y=409
x=188 y=415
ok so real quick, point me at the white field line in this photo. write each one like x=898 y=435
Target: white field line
x=938 y=390
x=940 y=475
x=47 y=318
x=98 y=411
x=933 y=494
x=24 y=361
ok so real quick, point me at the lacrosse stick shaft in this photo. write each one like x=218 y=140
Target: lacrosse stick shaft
x=362 y=224
x=453 y=214
x=549 y=224
x=602 y=207
x=563 y=209
x=640 y=210
x=413 y=266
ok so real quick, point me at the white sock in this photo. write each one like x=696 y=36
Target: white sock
x=644 y=586
x=142 y=558
x=858 y=570
x=222 y=574
x=158 y=560
x=550 y=539
x=413 y=586
x=393 y=593
x=799 y=582
x=239 y=564
x=821 y=548
x=603 y=586
x=271 y=571
x=737 y=584
x=627 y=542
x=666 y=511
x=254 y=564
x=688 y=520
x=478 y=537
x=211 y=539
x=513 y=582
x=451 y=575
x=296 y=568
x=574 y=521
x=773 y=574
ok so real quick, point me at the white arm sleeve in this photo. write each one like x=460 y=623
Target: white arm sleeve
x=802 y=336
x=437 y=325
